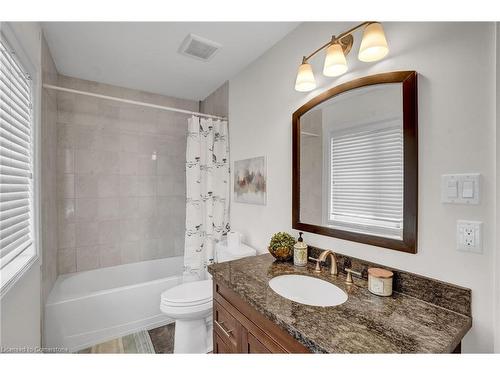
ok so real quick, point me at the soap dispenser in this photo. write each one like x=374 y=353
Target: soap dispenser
x=300 y=252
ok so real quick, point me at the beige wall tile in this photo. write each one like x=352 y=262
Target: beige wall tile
x=65 y=136
x=87 y=162
x=66 y=185
x=128 y=163
x=108 y=186
x=146 y=186
x=108 y=208
x=147 y=144
x=65 y=160
x=86 y=186
x=149 y=250
x=165 y=165
x=129 y=208
x=147 y=206
x=166 y=246
x=66 y=260
x=86 y=209
x=132 y=229
x=108 y=161
x=109 y=232
x=109 y=255
x=130 y=251
x=87 y=233
x=146 y=164
x=152 y=228
x=87 y=257
x=108 y=140
x=105 y=150
x=66 y=211
x=66 y=235
x=128 y=186
x=128 y=142
x=86 y=138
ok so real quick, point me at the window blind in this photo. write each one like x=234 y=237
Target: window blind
x=16 y=233
x=366 y=168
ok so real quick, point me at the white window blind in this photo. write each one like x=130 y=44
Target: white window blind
x=366 y=170
x=16 y=145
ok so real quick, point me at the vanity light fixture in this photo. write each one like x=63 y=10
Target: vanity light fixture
x=373 y=47
x=305 y=77
x=335 y=62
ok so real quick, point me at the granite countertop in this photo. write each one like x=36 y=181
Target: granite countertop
x=366 y=323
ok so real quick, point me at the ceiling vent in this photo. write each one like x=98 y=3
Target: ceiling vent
x=199 y=48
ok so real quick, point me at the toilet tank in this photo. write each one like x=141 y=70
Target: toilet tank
x=224 y=254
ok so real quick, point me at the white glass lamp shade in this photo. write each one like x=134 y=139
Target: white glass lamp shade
x=305 y=78
x=335 y=62
x=373 y=45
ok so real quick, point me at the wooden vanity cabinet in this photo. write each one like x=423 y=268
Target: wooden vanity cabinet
x=239 y=328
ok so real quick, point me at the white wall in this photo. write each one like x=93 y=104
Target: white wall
x=20 y=312
x=20 y=307
x=456 y=134
x=497 y=263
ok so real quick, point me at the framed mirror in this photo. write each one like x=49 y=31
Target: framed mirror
x=355 y=162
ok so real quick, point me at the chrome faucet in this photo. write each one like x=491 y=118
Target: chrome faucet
x=322 y=257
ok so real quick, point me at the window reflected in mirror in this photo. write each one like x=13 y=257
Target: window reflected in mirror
x=352 y=162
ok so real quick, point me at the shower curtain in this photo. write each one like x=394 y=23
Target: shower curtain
x=207 y=190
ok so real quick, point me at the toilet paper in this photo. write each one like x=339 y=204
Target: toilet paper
x=233 y=240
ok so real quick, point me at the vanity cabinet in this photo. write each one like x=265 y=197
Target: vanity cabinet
x=239 y=328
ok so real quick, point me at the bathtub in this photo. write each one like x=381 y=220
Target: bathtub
x=89 y=307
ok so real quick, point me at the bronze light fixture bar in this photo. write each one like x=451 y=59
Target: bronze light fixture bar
x=373 y=47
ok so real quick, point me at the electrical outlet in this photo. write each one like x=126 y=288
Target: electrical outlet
x=469 y=236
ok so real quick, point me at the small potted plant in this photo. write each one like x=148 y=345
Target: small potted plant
x=281 y=246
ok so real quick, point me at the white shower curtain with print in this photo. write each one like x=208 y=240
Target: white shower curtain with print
x=207 y=189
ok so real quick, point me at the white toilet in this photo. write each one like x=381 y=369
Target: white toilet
x=190 y=304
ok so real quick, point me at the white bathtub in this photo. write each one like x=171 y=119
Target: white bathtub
x=89 y=307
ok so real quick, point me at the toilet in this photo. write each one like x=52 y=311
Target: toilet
x=190 y=304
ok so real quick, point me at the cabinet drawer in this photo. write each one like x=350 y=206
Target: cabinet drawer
x=255 y=346
x=227 y=327
x=220 y=346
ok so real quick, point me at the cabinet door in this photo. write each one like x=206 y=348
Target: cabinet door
x=227 y=328
x=220 y=347
x=255 y=346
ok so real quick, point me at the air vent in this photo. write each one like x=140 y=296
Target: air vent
x=199 y=48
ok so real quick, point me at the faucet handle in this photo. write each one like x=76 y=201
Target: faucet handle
x=318 y=266
x=349 y=271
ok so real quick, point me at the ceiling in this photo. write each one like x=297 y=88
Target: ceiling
x=144 y=55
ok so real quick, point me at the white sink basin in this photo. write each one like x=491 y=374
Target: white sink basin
x=308 y=290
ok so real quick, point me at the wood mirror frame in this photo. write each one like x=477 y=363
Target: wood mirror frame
x=408 y=244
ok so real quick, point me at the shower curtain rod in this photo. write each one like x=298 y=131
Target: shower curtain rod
x=87 y=93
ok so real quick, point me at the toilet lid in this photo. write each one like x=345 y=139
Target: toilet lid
x=193 y=293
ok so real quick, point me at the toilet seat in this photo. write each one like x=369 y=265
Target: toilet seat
x=187 y=301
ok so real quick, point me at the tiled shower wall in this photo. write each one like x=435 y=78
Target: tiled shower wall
x=48 y=227
x=120 y=177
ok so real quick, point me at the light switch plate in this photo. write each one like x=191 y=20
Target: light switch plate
x=470 y=236
x=460 y=188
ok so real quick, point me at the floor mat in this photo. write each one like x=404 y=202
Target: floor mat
x=157 y=340
x=163 y=338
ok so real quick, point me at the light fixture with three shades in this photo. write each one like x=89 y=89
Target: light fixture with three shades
x=373 y=47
